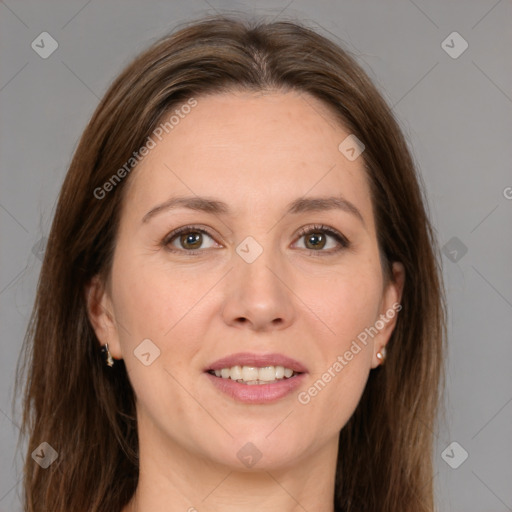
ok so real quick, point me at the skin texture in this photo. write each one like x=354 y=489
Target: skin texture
x=257 y=152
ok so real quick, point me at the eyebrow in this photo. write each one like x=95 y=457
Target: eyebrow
x=216 y=207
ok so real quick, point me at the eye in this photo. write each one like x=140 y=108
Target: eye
x=187 y=239
x=190 y=240
x=317 y=239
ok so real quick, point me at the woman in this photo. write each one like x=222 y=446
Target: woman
x=242 y=235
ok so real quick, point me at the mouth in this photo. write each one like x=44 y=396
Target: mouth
x=256 y=378
x=254 y=375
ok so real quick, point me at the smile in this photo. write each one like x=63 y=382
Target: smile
x=253 y=375
x=254 y=378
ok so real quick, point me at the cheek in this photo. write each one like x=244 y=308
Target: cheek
x=347 y=306
x=153 y=304
x=346 y=302
x=343 y=359
x=151 y=300
x=166 y=308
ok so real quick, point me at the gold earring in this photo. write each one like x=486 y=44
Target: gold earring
x=381 y=355
x=108 y=355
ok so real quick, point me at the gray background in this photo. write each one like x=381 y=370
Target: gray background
x=456 y=113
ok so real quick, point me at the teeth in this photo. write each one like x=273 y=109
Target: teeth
x=235 y=373
x=253 y=375
x=267 y=373
x=249 y=373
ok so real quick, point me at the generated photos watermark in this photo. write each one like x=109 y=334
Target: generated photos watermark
x=304 y=397
x=165 y=127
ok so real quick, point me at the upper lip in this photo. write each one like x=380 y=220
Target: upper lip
x=259 y=360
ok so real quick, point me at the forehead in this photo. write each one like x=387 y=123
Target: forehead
x=253 y=150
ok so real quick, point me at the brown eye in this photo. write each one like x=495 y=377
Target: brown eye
x=315 y=241
x=188 y=240
x=191 y=240
x=318 y=238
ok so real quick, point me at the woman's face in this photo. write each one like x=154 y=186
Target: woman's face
x=257 y=171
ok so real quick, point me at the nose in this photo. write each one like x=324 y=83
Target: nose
x=258 y=295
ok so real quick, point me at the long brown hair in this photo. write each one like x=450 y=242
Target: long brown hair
x=86 y=411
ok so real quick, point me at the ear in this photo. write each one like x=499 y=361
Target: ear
x=389 y=310
x=100 y=313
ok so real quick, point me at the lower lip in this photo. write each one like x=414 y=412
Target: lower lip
x=257 y=393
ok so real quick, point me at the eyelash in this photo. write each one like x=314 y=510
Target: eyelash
x=317 y=228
